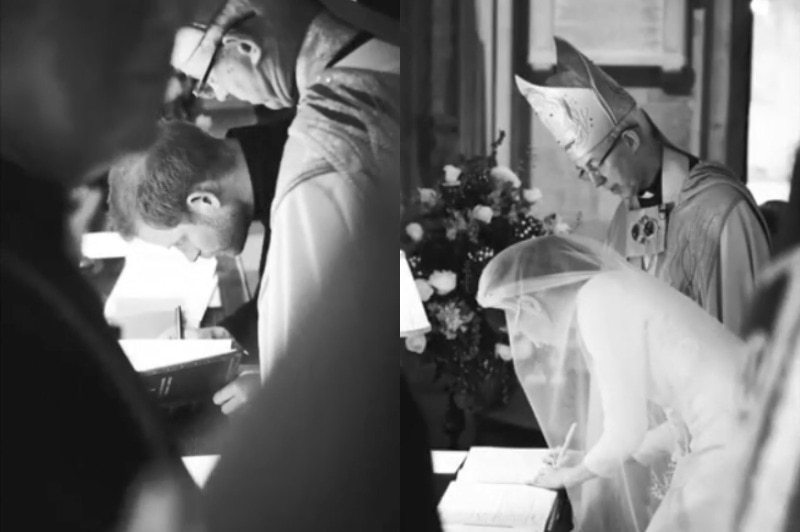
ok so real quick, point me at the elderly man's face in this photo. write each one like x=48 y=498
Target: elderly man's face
x=616 y=167
x=234 y=70
x=219 y=231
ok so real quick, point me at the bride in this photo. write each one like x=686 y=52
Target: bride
x=649 y=379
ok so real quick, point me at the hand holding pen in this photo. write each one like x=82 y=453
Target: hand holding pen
x=552 y=475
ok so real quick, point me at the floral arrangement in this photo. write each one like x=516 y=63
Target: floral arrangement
x=451 y=232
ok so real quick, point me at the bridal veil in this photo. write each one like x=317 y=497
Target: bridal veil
x=536 y=283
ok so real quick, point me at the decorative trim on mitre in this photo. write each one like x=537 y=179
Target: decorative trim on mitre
x=204 y=35
x=574 y=116
x=187 y=43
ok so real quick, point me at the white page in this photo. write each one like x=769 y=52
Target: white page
x=501 y=465
x=103 y=245
x=147 y=355
x=447 y=462
x=500 y=505
x=152 y=284
x=216 y=298
x=200 y=467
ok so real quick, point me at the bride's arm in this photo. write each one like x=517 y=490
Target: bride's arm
x=616 y=345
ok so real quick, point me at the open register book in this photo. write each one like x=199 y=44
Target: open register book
x=491 y=493
x=181 y=372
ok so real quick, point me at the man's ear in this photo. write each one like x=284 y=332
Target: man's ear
x=203 y=202
x=632 y=139
x=243 y=45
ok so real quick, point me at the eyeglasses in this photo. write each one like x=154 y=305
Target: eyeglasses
x=592 y=173
x=201 y=89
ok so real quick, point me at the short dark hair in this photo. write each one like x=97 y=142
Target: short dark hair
x=153 y=185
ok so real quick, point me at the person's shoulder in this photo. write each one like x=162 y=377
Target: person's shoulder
x=712 y=192
x=605 y=293
x=353 y=91
x=709 y=178
x=609 y=283
x=621 y=290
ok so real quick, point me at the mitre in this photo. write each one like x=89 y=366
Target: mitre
x=199 y=41
x=582 y=107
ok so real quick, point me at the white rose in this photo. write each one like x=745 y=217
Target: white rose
x=504 y=173
x=203 y=122
x=416 y=343
x=443 y=282
x=451 y=174
x=482 y=213
x=532 y=195
x=415 y=232
x=424 y=288
x=427 y=196
x=503 y=351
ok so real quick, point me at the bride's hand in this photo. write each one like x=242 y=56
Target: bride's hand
x=553 y=478
x=571 y=458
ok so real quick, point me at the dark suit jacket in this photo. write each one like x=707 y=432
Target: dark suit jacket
x=77 y=426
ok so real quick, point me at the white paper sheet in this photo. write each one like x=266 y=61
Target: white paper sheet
x=447 y=462
x=499 y=505
x=103 y=245
x=147 y=355
x=200 y=467
x=216 y=298
x=500 y=465
x=153 y=283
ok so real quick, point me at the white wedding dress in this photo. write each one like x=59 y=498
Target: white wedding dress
x=647 y=343
x=649 y=378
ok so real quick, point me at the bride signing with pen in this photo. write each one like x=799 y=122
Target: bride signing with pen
x=647 y=377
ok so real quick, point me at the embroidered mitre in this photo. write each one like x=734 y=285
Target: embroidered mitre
x=210 y=19
x=581 y=106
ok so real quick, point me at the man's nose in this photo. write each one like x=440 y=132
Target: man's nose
x=191 y=254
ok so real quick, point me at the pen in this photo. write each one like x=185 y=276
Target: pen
x=567 y=441
x=179 y=322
